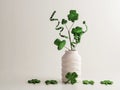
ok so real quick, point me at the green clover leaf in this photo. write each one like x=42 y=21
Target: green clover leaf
x=64 y=21
x=77 y=31
x=60 y=44
x=73 y=15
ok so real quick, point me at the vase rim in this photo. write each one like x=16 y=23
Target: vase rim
x=71 y=51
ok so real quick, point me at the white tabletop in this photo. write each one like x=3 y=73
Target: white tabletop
x=21 y=84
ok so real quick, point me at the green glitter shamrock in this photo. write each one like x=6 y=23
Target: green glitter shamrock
x=73 y=15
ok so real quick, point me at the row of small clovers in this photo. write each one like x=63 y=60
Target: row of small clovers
x=47 y=82
x=86 y=82
x=91 y=82
x=70 y=76
x=71 y=79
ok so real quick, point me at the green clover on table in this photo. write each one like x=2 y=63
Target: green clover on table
x=73 y=15
x=51 y=82
x=86 y=82
x=71 y=77
x=106 y=82
x=34 y=81
x=91 y=82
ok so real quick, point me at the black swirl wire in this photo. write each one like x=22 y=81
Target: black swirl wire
x=58 y=27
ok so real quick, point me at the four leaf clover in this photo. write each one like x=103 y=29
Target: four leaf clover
x=71 y=77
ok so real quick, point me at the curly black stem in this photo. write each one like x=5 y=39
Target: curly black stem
x=86 y=28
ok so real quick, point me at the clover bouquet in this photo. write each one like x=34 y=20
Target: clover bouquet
x=74 y=33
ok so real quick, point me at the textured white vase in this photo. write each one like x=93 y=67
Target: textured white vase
x=71 y=62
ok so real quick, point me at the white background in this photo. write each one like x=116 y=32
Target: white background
x=26 y=41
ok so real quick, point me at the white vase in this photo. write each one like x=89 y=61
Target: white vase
x=71 y=62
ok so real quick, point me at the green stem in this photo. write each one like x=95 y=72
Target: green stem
x=70 y=39
x=71 y=26
x=69 y=34
x=67 y=81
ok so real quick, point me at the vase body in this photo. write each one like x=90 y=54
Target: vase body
x=71 y=62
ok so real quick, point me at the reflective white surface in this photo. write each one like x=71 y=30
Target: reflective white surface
x=42 y=86
x=21 y=84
